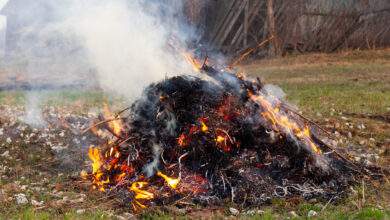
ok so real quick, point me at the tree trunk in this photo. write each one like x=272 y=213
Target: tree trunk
x=274 y=49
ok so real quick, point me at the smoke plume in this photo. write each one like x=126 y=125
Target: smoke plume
x=127 y=43
x=123 y=45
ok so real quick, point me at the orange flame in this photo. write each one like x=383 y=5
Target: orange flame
x=120 y=177
x=220 y=139
x=94 y=155
x=136 y=187
x=140 y=194
x=196 y=65
x=172 y=182
x=115 y=125
x=204 y=127
x=97 y=162
x=279 y=120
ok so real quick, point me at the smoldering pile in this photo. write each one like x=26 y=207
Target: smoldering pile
x=216 y=139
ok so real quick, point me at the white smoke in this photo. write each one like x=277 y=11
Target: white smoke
x=128 y=46
x=121 y=44
x=3 y=28
x=275 y=91
x=151 y=168
x=33 y=107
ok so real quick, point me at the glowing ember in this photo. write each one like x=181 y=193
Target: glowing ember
x=182 y=140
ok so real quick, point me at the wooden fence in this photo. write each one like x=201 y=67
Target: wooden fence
x=233 y=26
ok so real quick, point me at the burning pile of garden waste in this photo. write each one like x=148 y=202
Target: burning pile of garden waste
x=215 y=138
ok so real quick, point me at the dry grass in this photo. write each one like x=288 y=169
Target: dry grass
x=337 y=90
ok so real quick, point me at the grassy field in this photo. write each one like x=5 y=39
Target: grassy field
x=348 y=93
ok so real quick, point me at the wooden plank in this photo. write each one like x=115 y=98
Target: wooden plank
x=253 y=13
x=225 y=33
x=246 y=24
x=226 y=21
x=223 y=21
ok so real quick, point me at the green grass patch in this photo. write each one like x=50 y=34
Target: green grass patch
x=344 y=97
x=28 y=213
x=370 y=213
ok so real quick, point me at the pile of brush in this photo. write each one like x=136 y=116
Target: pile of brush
x=215 y=139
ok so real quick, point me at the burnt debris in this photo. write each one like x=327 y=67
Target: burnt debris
x=215 y=139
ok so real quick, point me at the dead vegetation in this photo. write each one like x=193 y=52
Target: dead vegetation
x=31 y=164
